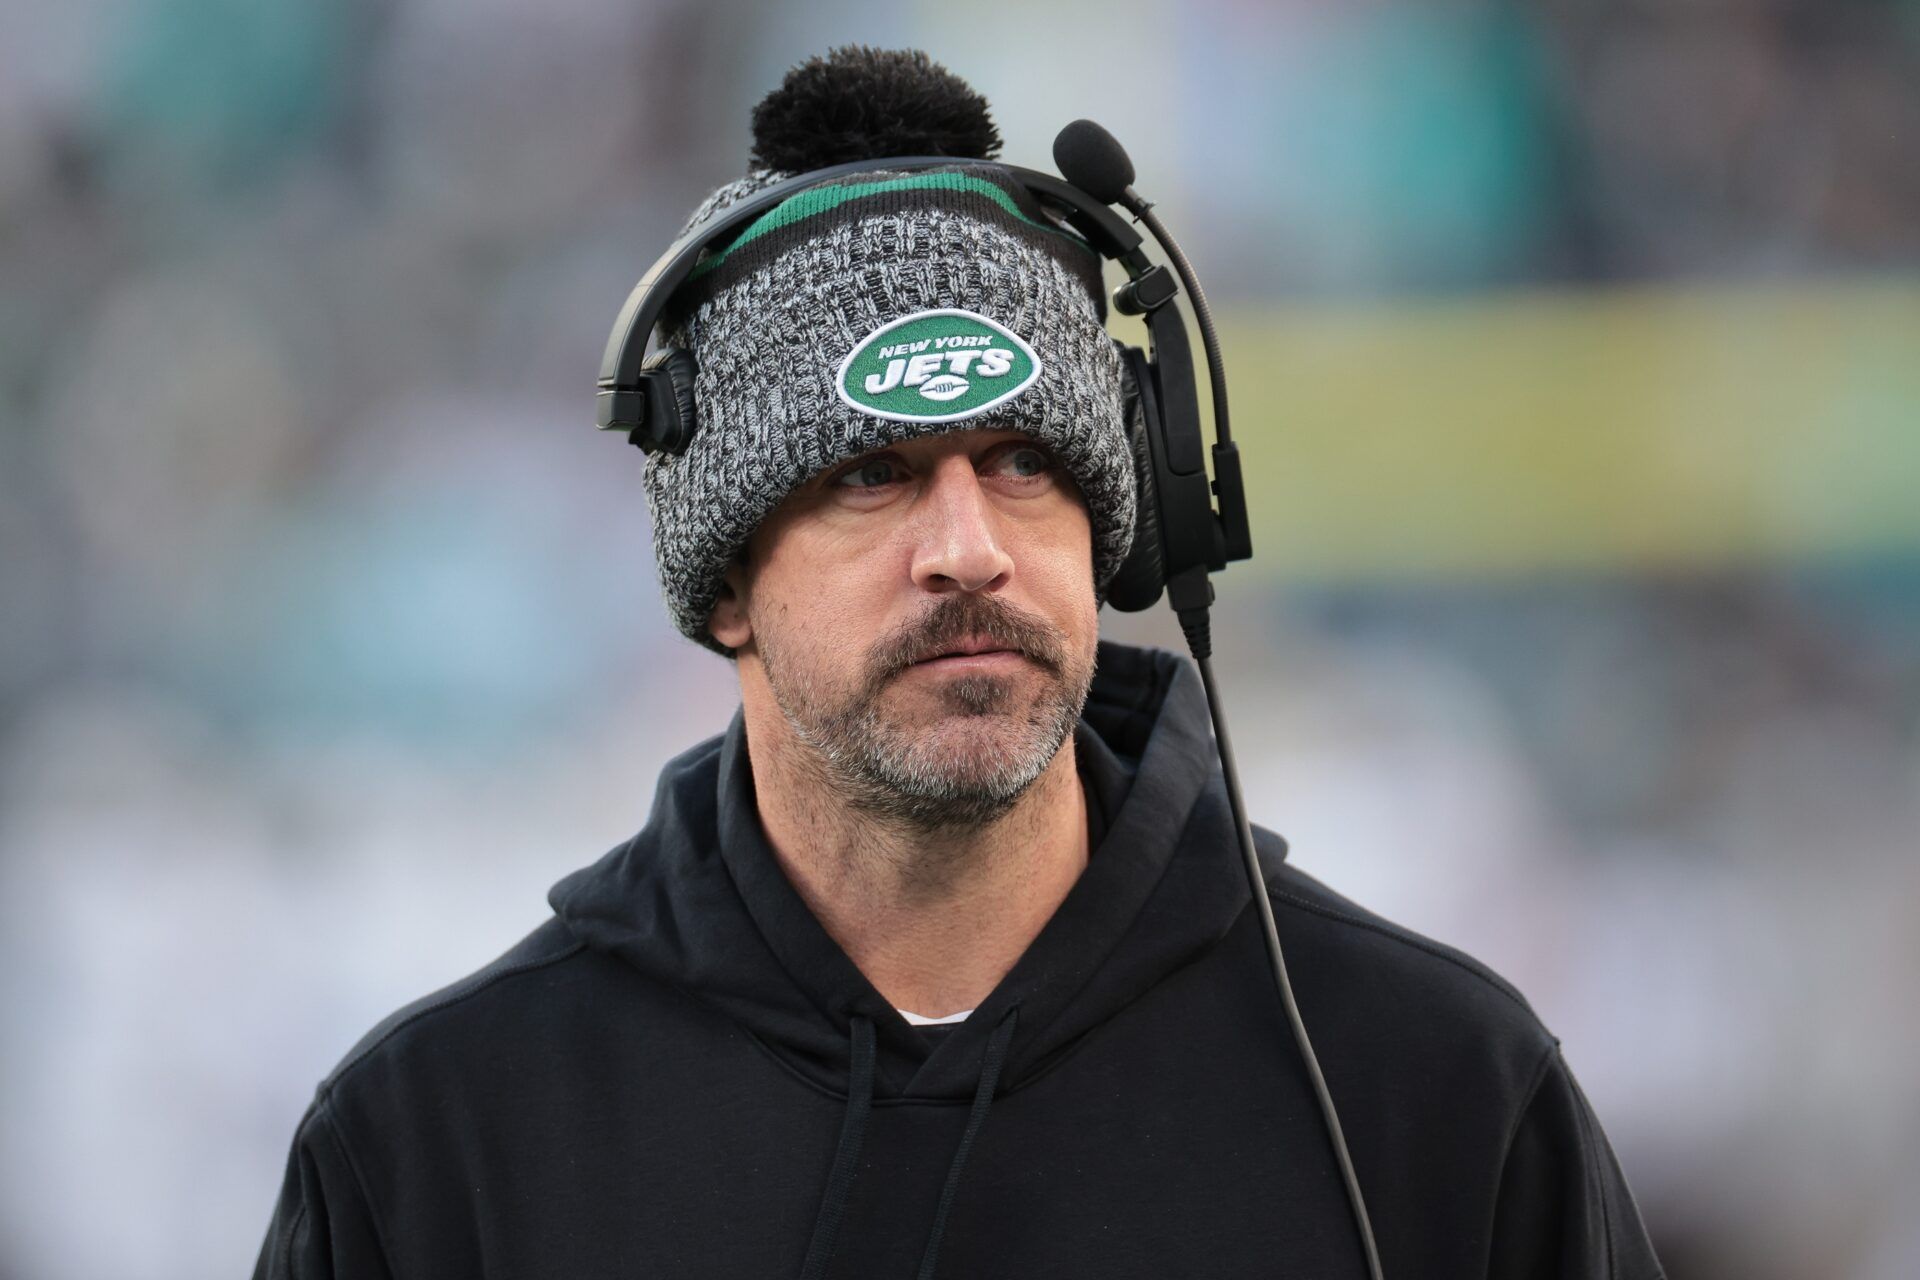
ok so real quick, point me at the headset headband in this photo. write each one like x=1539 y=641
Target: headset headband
x=620 y=404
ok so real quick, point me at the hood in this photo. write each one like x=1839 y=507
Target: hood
x=696 y=899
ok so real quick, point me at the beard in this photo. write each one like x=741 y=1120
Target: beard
x=987 y=744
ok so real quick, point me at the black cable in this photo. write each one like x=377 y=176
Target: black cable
x=1092 y=159
x=1194 y=622
x=1202 y=313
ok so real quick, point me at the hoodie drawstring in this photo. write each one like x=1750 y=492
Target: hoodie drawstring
x=982 y=1099
x=853 y=1131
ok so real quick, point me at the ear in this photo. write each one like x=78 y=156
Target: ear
x=728 y=622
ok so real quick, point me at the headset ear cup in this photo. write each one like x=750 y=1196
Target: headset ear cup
x=668 y=377
x=1142 y=575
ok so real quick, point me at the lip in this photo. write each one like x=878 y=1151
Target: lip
x=983 y=660
x=967 y=646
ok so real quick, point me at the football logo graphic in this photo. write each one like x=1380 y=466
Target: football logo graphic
x=936 y=366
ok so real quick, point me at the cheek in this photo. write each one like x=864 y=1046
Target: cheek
x=816 y=600
x=1056 y=569
x=1063 y=556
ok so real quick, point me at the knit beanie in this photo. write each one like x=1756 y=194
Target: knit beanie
x=881 y=307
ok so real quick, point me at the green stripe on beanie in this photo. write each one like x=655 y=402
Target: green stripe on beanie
x=824 y=199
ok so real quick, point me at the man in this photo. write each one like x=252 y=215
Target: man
x=939 y=960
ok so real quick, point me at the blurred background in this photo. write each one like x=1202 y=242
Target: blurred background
x=1576 y=358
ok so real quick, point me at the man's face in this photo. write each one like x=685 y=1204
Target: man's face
x=924 y=618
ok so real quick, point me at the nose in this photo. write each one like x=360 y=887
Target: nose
x=959 y=543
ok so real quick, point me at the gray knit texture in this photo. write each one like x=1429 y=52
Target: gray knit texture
x=768 y=347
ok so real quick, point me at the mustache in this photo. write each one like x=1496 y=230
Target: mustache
x=959 y=616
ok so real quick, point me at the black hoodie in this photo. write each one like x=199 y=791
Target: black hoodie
x=682 y=1074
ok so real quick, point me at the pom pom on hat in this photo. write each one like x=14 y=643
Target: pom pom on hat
x=859 y=103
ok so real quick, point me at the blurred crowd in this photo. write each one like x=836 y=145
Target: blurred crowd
x=332 y=637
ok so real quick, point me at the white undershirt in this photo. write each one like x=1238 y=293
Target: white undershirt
x=922 y=1020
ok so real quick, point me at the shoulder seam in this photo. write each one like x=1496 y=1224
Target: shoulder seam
x=311 y=1121
x=1513 y=1132
x=1590 y=1157
x=293 y=1234
x=447 y=1001
x=323 y=1113
x=1419 y=944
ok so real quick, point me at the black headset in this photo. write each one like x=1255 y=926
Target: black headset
x=1179 y=536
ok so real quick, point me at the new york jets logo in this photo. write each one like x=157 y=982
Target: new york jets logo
x=936 y=366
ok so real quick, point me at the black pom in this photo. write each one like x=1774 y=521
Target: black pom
x=859 y=103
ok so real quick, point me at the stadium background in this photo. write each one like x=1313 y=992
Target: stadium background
x=1576 y=355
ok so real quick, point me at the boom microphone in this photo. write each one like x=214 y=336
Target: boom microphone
x=1093 y=160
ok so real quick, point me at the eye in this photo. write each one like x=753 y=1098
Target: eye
x=869 y=474
x=1030 y=461
x=1024 y=462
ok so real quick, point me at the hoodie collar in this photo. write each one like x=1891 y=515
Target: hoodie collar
x=697 y=899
